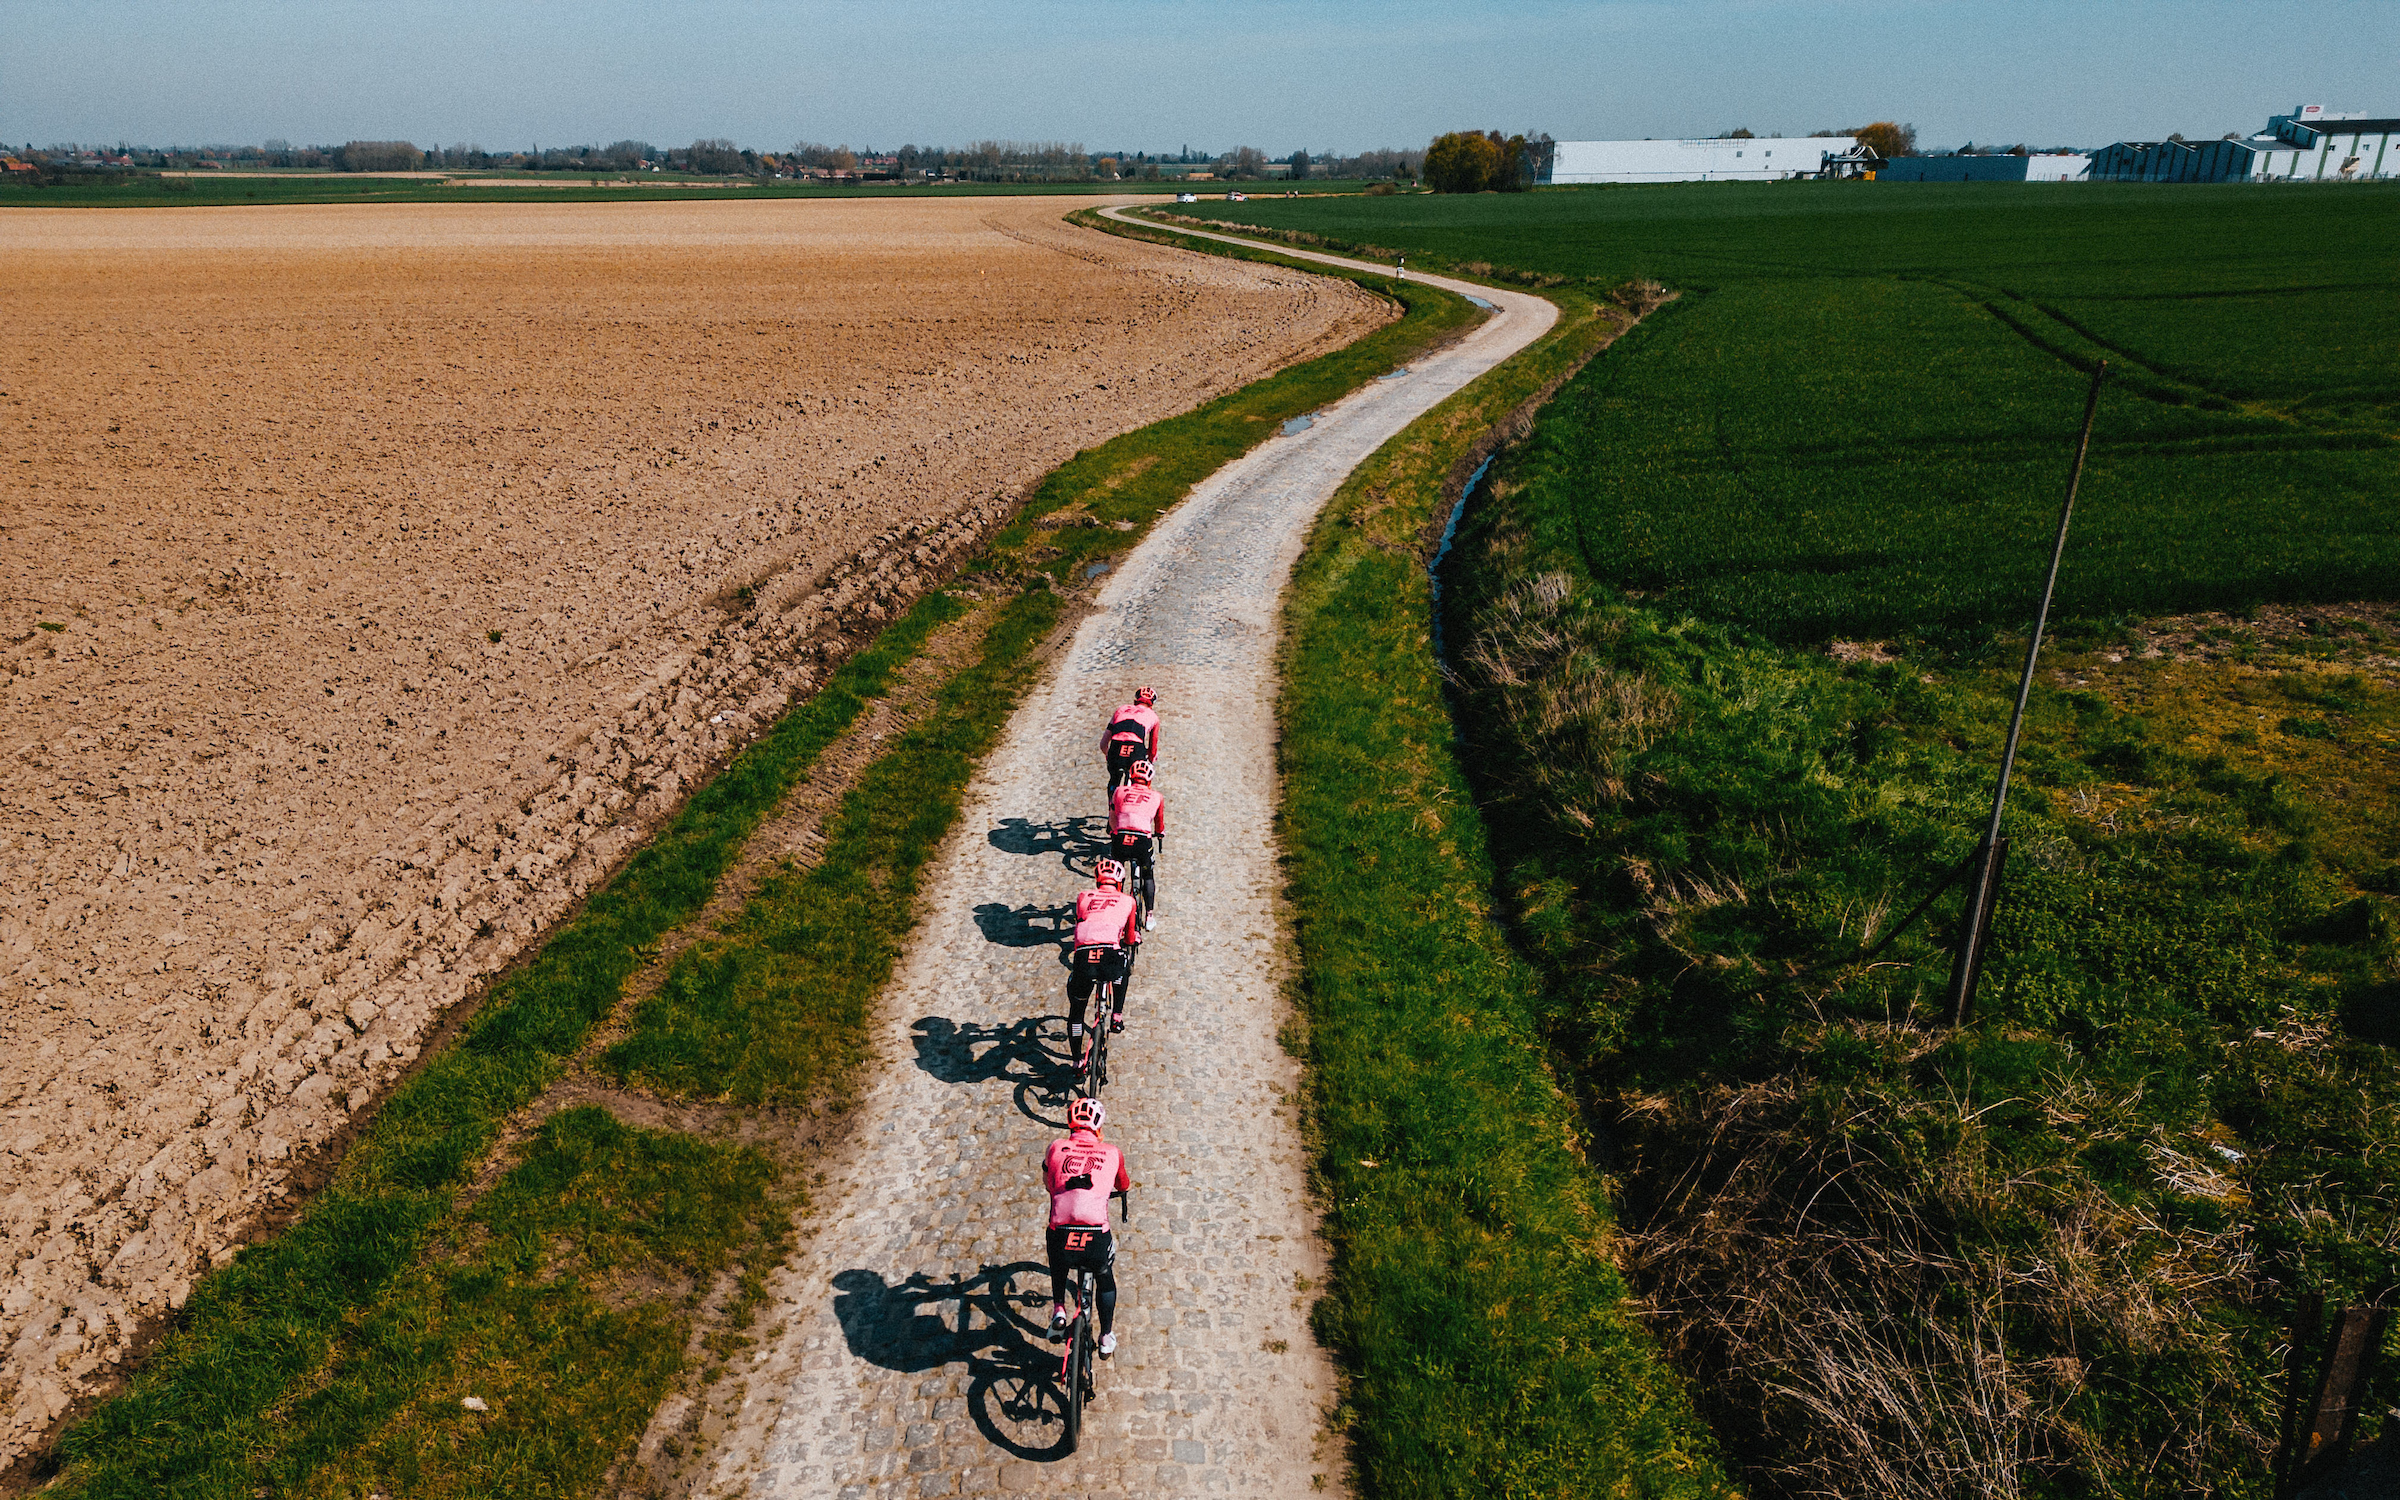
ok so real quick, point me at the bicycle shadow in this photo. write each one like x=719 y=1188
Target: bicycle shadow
x=1025 y=926
x=925 y=1323
x=1041 y=1070
x=1077 y=841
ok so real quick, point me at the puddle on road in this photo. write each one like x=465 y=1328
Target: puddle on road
x=1478 y=301
x=1095 y=570
x=1395 y=375
x=1300 y=423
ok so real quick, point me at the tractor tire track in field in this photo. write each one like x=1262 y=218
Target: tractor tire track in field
x=903 y=1353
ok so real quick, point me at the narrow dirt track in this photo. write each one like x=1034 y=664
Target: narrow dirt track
x=904 y=1356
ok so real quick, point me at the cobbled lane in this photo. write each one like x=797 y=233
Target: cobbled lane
x=904 y=1355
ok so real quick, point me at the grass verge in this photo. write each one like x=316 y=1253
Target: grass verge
x=1474 y=1306
x=2047 y=1253
x=286 y=1370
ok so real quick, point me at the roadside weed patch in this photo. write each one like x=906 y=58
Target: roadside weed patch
x=1473 y=1307
x=773 y=1010
x=563 y=1304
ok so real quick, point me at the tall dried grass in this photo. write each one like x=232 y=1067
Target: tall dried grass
x=1886 y=1277
x=1853 y=1268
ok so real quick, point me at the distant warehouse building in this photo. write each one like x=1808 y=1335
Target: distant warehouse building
x=2311 y=144
x=2066 y=167
x=1747 y=160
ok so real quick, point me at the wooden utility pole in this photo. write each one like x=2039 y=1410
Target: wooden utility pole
x=1983 y=880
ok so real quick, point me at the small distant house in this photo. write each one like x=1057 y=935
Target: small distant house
x=1859 y=162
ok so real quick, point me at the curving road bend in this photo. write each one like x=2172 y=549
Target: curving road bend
x=903 y=1355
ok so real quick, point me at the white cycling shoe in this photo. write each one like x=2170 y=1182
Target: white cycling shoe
x=1108 y=1345
x=1150 y=921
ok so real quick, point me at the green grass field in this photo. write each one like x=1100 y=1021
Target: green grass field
x=2049 y=1253
x=1852 y=421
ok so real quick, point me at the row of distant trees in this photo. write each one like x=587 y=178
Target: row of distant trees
x=983 y=160
x=1465 y=161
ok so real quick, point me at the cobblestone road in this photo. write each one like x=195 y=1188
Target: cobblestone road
x=904 y=1356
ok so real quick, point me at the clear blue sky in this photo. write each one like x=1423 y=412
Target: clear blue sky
x=1147 y=75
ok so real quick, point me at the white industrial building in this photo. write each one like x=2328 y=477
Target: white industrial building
x=1752 y=160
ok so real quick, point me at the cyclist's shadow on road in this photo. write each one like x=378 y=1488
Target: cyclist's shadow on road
x=925 y=1323
x=966 y=1052
x=1079 y=842
x=1025 y=926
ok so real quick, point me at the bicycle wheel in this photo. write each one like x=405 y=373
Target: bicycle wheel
x=1078 y=1372
x=1099 y=1078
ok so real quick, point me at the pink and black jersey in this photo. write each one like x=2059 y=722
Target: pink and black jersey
x=1105 y=919
x=1137 y=809
x=1133 y=724
x=1080 y=1172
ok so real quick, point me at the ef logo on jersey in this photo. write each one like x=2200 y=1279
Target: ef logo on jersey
x=1078 y=1239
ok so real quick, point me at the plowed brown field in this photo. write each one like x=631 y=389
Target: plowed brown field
x=371 y=578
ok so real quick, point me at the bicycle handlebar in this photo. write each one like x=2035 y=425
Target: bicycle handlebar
x=1127 y=1197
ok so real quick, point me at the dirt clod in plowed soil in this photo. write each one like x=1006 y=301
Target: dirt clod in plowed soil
x=373 y=577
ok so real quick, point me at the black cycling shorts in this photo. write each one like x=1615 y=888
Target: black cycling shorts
x=1135 y=849
x=1093 y=966
x=1080 y=1247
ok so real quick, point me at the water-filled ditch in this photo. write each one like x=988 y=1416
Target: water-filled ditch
x=1441 y=555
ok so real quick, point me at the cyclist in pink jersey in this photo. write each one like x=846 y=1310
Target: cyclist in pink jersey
x=1081 y=1172
x=1105 y=938
x=1137 y=822
x=1131 y=735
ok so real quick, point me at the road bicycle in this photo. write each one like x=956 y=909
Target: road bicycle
x=1076 y=1376
x=1143 y=887
x=1092 y=1067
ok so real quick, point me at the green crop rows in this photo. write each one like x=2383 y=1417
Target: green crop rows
x=1853 y=421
